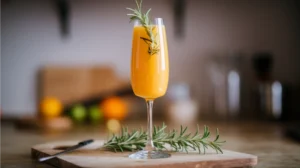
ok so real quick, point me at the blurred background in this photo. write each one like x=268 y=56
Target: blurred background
x=229 y=60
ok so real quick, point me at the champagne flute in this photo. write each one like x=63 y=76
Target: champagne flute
x=149 y=75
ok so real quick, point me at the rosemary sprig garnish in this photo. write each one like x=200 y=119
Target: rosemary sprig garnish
x=179 y=141
x=149 y=27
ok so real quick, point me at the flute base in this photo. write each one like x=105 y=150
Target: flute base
x=149 y=155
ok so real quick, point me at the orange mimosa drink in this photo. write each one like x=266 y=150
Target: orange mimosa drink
x=149 y=73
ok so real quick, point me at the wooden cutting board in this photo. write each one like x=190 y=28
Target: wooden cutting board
x=71 y=84
x=92 y=156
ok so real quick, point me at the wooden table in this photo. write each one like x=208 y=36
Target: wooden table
x=266 y=140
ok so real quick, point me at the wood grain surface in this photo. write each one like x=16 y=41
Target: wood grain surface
x=92 y=156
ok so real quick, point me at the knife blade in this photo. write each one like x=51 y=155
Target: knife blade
x=72 y=148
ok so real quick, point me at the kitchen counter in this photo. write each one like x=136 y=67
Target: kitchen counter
x=263 y=139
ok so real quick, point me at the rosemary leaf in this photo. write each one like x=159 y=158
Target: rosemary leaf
x=151 y=40
x=178 y=141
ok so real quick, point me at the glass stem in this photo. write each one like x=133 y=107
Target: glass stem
x=149 y=146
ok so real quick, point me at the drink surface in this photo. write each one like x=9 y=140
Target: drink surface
x=149 y=73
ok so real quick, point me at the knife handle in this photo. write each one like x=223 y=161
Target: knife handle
x=85 y=142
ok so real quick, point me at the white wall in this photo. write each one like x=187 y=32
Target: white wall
x=100 y=33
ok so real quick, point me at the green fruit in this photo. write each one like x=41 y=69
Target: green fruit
x=78 y=113
x=95 y=114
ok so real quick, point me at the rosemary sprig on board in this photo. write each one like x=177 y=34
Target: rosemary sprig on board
x=145 y=21
x=178 y=141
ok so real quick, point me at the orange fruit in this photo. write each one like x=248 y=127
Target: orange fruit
x=114 y=108
x=50 y=107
